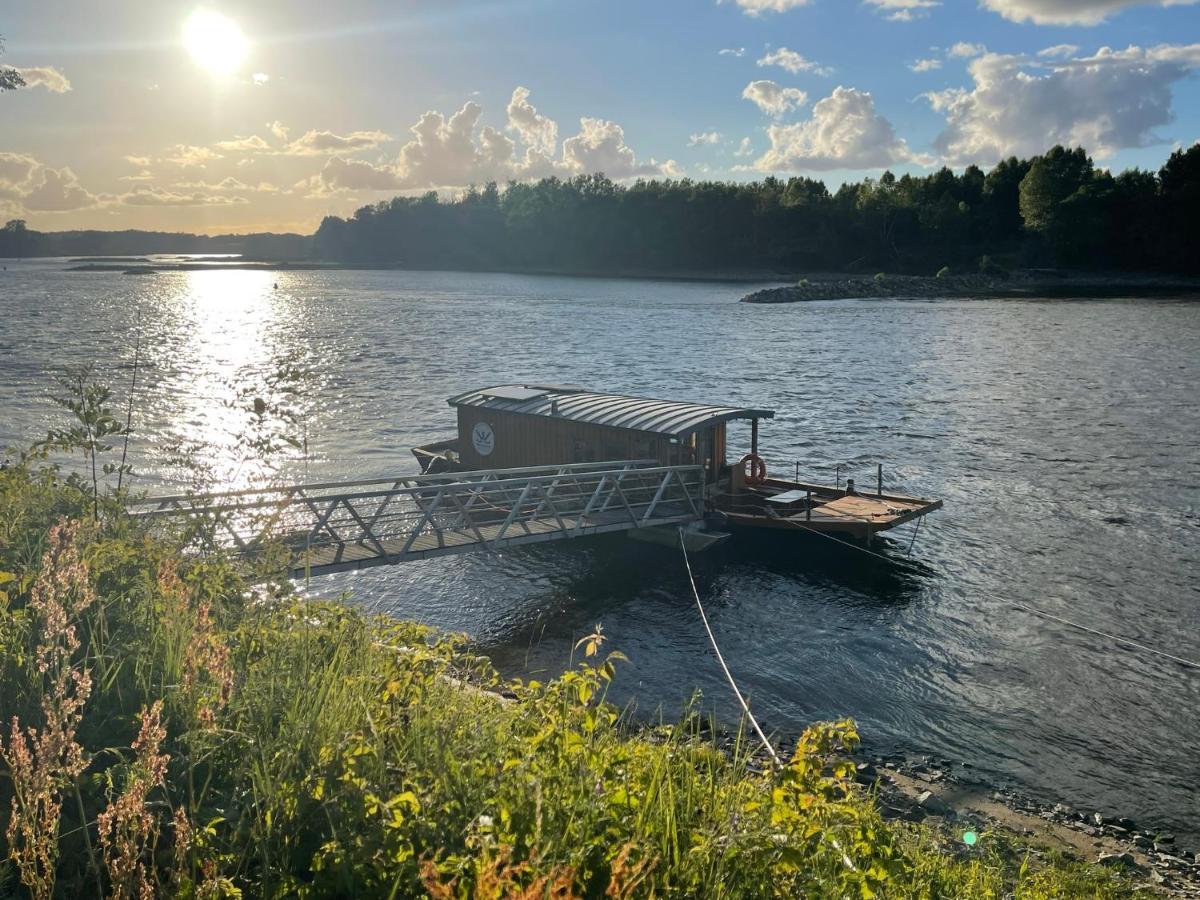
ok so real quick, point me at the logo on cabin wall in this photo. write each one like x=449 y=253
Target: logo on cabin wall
x=483 y=439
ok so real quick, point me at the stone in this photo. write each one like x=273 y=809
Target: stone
x=933 y=804
x=1117 y=860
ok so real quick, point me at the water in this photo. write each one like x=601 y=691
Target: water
x=1062 y=437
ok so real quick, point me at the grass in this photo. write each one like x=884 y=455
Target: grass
x=170 y=731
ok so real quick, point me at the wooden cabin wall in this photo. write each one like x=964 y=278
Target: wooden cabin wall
x=525 y=440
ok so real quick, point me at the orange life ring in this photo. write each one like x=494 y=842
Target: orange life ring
x=757 y=473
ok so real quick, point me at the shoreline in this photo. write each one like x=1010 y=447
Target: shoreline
x=1028 y=284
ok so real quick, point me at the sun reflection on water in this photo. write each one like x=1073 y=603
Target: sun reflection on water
x=231 y=344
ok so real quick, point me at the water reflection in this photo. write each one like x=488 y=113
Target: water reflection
x=227 y=385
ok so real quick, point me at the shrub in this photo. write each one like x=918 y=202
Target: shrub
x=943 y=272
x=880 y=276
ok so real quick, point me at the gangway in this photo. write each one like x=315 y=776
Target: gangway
x=338 y=526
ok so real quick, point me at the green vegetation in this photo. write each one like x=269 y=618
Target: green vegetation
x=172 y=731
x=1055 y=209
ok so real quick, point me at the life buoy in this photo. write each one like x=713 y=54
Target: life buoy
x=755 y=468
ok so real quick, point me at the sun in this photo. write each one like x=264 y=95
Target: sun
x=215 y=41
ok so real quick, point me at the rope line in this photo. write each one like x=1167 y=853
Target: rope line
x=1183 y=661
x=721 y=659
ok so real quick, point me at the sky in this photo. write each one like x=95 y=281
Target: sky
x=228 y=116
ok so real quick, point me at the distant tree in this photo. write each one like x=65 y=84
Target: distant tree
x=14 y=238
x=1180 y=184
x=10 y=79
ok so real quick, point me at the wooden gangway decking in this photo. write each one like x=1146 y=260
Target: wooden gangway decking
x=336 y=526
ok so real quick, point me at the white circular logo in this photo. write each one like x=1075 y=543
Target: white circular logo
x=483 y=439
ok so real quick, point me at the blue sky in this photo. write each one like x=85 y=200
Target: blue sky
x=126 y=124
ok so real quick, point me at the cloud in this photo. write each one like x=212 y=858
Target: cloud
x=1069 y=12
x=1059 y=51
x=16 y=173
x=792 y=62
x=278 y=129
x=251 y=144
x=904 y=10
x=260 y=78
x=758 y=7
x=600 y=147
x=709 y=138
x=732 y=51
x=45 y=76
x=57 y=190
x=925 y=65
x=537 y=132
x=773 y=99
x=189 y=155
x=844 y=132
x=159 y=197
x=143 y=175
x=744 y=148
x=455 y=151
x=964 y=50
x=1106 y=102
x=322 y=143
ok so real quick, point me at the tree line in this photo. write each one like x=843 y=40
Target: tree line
x=1057 y=209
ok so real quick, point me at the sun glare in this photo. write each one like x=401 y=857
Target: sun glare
x=215 y=41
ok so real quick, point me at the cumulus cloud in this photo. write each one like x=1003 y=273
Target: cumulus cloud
x=744 y=148
x=278 y=129
x=965 y=50
x=16 y=173
x=732 y=51
x=1069 y=12
x=844 y=132
x=57 y=190
x=773 y=99
x=792 y=62
x=926 y=65
x=709 y=138
x=539 y=133
x=1059 y=50
x=1105 y=102
x=904 y=10
x=45 y=76
x=260 y=78
x=455 y=151
x=189 y=155
x=600 y=147
x=324 y=143
x=758 y=7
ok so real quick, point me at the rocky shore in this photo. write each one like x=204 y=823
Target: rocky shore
x=1028 y=283
x=939 y=794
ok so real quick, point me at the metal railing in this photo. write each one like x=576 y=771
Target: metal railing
x=368 y=522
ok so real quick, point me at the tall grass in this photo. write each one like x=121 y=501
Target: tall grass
x=270 y=746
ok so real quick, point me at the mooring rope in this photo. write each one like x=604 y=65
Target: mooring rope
x=721 y=659
x=1189 y=663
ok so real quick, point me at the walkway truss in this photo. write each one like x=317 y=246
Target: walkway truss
x=355 y=524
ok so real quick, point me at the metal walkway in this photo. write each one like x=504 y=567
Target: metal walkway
x=337 y=526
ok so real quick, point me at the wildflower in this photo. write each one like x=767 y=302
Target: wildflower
x=127 y=827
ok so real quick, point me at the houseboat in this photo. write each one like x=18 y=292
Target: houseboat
x=525 y=425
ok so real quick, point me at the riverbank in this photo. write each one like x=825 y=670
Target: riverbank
x=216 y=733
x=1015 y=285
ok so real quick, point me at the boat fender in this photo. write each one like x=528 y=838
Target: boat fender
x=756 y=469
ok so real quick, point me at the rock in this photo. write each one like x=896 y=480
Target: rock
x=865 y=773
x=1140 y=840
x=933 y=804
x=1097 y=819
x=1165 y=839
x=1127 y=824
x=1117 y=860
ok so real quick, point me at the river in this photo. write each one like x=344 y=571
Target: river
x=1062 y=437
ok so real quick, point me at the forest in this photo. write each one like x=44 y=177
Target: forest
x=1057 y=209
x=1054 y=210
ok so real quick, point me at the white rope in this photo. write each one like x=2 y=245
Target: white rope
x=1030 y=609
x=721 y=659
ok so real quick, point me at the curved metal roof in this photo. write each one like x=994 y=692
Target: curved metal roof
x=669 y=417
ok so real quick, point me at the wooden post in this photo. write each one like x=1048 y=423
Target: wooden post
x=754 y=436
x=808 y=505
x=880 y=489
